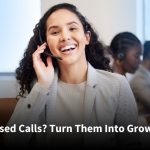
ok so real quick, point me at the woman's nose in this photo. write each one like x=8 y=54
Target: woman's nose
x=65 y=35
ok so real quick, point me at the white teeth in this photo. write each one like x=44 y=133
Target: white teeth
x=68 y=47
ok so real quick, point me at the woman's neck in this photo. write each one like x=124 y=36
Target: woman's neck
x=74 y=73
x=118 y=68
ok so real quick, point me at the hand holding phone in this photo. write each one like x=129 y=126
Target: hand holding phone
x=44 y=72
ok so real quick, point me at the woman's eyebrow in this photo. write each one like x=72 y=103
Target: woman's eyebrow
x=72 y=22
x=53 y=27
x=56 y=26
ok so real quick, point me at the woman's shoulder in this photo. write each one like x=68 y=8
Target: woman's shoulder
x=103 y=77
x=109 y=76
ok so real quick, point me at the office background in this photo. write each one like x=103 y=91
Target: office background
x=18 y=19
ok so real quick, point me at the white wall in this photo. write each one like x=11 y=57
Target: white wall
x=16 y=28
x=107 y=16
x=147 y=20
x=18 y=19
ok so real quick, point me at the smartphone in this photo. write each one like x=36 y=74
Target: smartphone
x=46 y=51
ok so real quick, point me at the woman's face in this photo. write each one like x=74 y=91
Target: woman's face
x=66 y=37
x=132 y=59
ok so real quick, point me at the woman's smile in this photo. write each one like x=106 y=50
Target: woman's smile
x=68 y=49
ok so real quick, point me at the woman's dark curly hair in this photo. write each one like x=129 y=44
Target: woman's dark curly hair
x=25 y=73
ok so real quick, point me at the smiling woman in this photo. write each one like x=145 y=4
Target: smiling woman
x=79 y=89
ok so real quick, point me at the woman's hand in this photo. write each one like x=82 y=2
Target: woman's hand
x=45 y=74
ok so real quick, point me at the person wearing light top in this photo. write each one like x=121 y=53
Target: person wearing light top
x=74 y=85
x=140 y=84
x=126 y=50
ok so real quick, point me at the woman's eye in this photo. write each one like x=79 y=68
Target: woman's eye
x=73 y=29
x=54 y=33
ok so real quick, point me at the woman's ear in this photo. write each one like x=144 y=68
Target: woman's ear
x=88 y=37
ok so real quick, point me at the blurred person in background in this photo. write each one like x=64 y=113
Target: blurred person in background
x=126 y=50
x=140 y=84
